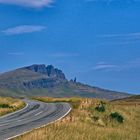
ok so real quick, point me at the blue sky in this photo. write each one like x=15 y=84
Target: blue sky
x=98 y=41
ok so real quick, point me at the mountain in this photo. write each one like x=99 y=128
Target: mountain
x=41 y=80
x=35 y=76
x=131 y=99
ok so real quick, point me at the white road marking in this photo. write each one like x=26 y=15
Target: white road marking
x=3 y=125
x=15 y=112
x=38 y=113
x=12 y=114
x=42 y=125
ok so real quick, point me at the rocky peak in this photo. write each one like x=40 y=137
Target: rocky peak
x=49 y=70
x=37 y=68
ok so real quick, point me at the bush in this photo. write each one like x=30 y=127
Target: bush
x=100 y=107
x=4 y=106
x=117 y=117
x=95 y=118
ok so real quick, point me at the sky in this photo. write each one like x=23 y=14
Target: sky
x=97 y=41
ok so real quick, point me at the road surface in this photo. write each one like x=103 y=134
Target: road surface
x=34 y=115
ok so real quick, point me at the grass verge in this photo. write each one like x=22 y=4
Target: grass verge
x=8 y=105
x=86 y=122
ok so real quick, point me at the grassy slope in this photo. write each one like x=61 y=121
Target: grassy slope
x=12 y=84
x=17 y=77
x=80 y=125
x=66 y=90
x=11 y=105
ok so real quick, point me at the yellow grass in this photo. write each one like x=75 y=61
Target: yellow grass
x=80 y=125
x=14 y=104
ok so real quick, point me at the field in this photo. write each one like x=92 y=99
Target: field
x=8 y=105
x=92 y=119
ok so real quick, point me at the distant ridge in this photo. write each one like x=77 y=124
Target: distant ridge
x=42 y=80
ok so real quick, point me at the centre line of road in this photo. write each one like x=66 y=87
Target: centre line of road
x=38 y=113
x=41 y=126
x=4 y=116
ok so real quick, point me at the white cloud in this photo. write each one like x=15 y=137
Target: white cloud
x=107 y=67
x=28 y=3
x=123 y=39
x=111 y=1
x=137 y=34
x=22 y=29
x=104 y=67
x=64 y=54
x=16 y=53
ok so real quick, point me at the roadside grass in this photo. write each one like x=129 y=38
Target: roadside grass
x=8 y=105
x=85 y=122
x=75 y=102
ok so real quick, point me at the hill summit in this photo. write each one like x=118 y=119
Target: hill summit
x=49 y=71
x=42 y=80
x=34 y=76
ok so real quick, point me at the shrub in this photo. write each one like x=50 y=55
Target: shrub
x=4 y=106
x=117 y=117
x=100 y=107
x=95 y=118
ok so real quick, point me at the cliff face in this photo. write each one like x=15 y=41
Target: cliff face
x=35 y=76
x=50 y=71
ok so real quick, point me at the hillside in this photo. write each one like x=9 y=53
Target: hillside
x=86 y=122
x=41 y=80
x=132 y=100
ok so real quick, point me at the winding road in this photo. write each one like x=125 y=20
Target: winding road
x=34 y=115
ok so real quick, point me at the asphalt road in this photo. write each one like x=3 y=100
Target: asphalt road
x=34 y=115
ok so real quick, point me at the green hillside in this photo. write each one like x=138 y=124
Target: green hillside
x=41 y=80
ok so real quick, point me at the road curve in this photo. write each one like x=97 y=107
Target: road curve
x=34 y=115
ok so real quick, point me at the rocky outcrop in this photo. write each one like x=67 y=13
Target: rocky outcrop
x=43 y=83
x=37 y=68
x=34 y=76
x=50 y=71
x=54 y=77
